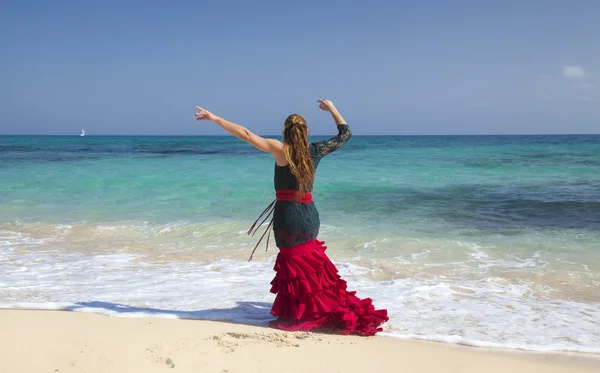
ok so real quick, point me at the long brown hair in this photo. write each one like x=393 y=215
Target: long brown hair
x=295 y=147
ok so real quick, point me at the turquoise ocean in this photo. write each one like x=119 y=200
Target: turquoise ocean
x=480 y=240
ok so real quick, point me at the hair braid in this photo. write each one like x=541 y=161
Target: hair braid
x=297 y=154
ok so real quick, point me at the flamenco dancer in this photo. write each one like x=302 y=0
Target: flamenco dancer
x=310 y=294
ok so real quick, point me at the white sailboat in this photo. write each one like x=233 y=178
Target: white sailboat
x=82 y=132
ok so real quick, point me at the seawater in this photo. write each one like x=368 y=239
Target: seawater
x=481 y=240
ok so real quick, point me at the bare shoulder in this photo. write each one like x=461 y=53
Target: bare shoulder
x=276 y=143
x=276 y=146
x=265 y=144
x=278 y=153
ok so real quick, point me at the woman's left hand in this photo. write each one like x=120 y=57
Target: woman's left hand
x=203 y=114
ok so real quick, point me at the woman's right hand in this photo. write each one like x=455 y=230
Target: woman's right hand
x=326 y=105
x=203 y=114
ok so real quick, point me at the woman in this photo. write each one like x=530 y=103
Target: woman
x=311 y=296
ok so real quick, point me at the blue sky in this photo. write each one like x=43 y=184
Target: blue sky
x=391 y=67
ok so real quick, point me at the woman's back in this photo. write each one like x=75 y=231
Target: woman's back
x=283 y=177
x=295 y=222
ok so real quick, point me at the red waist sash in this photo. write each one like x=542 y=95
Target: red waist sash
x=280 y=195
x=293 y=196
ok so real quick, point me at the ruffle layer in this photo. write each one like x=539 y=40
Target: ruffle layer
x=311 y=296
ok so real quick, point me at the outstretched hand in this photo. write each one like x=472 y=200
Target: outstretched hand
x=203 y=114
x=326 y=105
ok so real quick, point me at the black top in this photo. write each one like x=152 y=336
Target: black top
x=293 y=222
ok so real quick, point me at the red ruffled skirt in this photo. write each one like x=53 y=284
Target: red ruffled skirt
x=311 y=296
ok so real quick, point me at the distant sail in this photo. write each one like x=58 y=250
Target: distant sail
x=82 y=132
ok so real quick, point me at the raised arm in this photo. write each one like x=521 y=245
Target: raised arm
x=327 y=146
x=266 y=145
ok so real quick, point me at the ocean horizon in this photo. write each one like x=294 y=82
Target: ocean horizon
x=312 y=136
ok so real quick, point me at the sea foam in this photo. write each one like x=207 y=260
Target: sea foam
x=488 y=312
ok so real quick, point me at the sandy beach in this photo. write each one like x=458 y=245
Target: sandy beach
x=59 y=341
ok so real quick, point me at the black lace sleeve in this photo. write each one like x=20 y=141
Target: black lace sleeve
x=325 y=147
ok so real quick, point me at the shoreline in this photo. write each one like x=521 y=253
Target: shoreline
x=62 y=341
x=114 y=310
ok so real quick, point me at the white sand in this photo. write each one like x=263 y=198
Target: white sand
x=55 y=341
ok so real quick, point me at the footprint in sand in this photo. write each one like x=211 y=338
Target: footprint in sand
x=230 y=341
x=156 y=356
